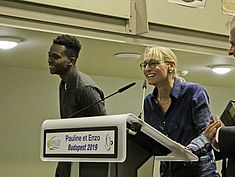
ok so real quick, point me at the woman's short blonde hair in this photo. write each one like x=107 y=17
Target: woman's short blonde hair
x=161 y=53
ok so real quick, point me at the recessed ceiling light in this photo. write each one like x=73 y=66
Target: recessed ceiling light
x=127 y=55
x=183 y=72
x=8 y=42
x=221 y=69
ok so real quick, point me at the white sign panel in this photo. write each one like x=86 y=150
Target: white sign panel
x=92 y=142
x=120 y=8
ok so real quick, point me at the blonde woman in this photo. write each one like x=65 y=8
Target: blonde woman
x=180 y=110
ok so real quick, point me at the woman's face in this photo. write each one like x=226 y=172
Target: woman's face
x=155 y=70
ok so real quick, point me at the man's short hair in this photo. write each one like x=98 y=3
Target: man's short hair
x=71 y=43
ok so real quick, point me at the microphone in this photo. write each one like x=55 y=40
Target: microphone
x=126 y=87
x=135 y=127
x=91 y=105
x=142 y=106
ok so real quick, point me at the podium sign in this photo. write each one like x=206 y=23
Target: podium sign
x=81 y=142
x=90 y=139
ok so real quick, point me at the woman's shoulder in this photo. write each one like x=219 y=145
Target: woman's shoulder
x=190 y=87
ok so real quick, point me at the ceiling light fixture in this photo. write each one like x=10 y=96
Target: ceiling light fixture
x=221 y=69
x=8 y=42
x=128 y=55
x=183 y=72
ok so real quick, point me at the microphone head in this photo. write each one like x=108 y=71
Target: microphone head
x=144 y=84
x=126 y=87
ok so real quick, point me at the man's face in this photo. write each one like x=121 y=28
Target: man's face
x=231 y=50
x=58 y=60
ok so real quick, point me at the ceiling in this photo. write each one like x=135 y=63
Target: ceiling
x=97 y=58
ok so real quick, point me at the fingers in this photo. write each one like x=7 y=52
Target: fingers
x=210 y=131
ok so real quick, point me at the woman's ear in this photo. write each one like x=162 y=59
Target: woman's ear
x=171 y=67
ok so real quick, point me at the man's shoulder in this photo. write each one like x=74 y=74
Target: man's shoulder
x=85 y=80
x=85 y=85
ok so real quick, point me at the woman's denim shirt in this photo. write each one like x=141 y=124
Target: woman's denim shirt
x=184 y=122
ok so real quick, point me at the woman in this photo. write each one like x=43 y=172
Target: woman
x=180 y=110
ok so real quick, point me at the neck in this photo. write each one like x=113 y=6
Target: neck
x=165 y=90
x=67 y=74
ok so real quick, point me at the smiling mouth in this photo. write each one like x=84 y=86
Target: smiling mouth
x=150 y=75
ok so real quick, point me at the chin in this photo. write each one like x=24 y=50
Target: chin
x=52 y=71
x=150 y=82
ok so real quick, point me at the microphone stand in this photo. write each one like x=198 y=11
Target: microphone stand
x=142 y=105
x=89 y=106
x=135 y=127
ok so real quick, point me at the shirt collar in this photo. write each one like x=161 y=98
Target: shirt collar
x=72 y=79
x=175 y=92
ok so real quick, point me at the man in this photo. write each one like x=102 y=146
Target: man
x=76 y=91
x=223 y=138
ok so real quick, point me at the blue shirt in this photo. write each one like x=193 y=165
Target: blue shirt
x=184 y=122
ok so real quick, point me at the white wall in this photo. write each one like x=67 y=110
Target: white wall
x=28 y=97
x=190 y=18
x=219 y=98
